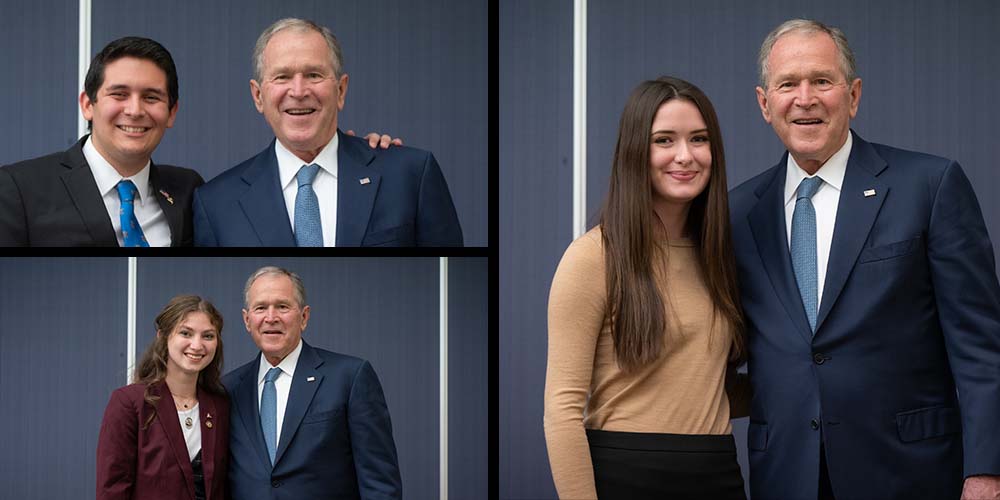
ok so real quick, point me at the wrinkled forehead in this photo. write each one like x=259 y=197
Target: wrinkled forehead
x=297 y=49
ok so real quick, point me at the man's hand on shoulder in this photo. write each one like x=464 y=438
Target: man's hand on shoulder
x=981 y=488
x=381 y=140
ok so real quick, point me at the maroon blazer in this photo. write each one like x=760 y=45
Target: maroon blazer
x=153 y=463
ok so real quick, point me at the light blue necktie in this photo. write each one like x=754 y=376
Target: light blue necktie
x=804 y=247
x=131 y=230
x=308 y=226
x=269 y=412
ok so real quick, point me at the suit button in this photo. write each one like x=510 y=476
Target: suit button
x=275 y=484
x=818 y=358
x=814 y=424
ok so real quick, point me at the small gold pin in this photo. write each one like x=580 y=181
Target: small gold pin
x=364 y=180
x=310 y=379
x=208 y=424
x=869 y=192
x=167 y=196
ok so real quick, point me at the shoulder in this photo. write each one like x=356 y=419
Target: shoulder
x=43 y=166
x=129 y=396
x=233 y=176
x=912 y=160
x=587 y=249
x=180 y=175
x=748 y=191
x=233 y=378
x=395 y=157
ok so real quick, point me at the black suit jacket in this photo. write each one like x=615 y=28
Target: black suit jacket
x=54 y=201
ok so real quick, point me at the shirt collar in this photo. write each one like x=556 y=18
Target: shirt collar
x=289 y=164
x=832 y=172
x=287 y=365
x=108 y=178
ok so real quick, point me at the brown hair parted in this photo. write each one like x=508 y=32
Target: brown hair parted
x=634 y=306
x=152 y=368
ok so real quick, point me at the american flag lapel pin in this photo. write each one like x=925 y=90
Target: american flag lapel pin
x=167 y=196
x=364 y=180
x=310 y=379
x=869 y=192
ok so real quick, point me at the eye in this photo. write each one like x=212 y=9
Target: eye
x=118 y=95
x=700 y=138
x=184 y=333
x=663 y=140
x=152 y=98
x=283 y=307
x=280 y=78
x=208 y=336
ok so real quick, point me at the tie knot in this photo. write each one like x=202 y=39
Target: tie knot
x=306 y=174
x=272 y=374
x=808 y=187
x=126 y=191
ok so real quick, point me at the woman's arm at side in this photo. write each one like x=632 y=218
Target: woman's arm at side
x=117 y=448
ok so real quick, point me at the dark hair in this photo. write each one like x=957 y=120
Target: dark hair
x=152 y=369
x=131 y=46
x=634 y=306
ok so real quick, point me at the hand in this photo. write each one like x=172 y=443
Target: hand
x=381 y=140
x=981 y=488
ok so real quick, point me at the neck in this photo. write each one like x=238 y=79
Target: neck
x=183 y=385
x=672 y=218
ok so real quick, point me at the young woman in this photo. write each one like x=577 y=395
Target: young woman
x=645 y=325
x=166 y=436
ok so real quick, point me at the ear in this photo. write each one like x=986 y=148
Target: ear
x=173 y=114
x=762 y=102
x=342 y=87
x=86 y=106
x=305 y=317
x=255 y=91
x=246 y=319
x=855 y=96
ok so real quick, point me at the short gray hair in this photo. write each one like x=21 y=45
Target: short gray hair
x=808 y=27
x=297 y=285
x=336 y=57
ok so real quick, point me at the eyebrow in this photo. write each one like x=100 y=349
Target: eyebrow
x=303 y=69
x=699 y=131
x=148 y=90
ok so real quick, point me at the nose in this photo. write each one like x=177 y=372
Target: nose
x=271 y=314
x=298 y=85
x=133 y=106
x=804 y=94
x=196 y=342
x=682 y=154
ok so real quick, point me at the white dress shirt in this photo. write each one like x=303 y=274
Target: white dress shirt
x=192 y=435
x=325 y=185
x=825 y=201
x=147 y=210
x=282 y=385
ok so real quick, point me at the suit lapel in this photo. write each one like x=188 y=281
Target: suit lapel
x=856 y=213
x=767 y=223
x=245 y=404
x=174 y=213
x=263 y=202
x=82 y=188
x=300 y=396
x=166 y=418
x=209 y=435
x=357 y=185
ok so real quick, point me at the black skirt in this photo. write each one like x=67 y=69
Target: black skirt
x=637 y=465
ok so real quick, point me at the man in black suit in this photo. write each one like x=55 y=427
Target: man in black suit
x=87 y=194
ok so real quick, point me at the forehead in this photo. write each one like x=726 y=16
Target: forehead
x=134 y=72
x=678 y=115
x=293 y=48
x=804 y=53
x=271 y=286
x=197 y=320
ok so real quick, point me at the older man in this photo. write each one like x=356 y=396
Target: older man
x=304 y=422
x=315 y=186
x=871 y=297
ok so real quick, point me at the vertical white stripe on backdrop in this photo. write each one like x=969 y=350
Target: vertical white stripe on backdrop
x=130 y=326
x=443 y=396
x=83 y=58
x=579 y=118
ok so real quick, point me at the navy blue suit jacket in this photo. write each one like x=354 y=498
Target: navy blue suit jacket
x=336 y=438
x=404 y=202
x=910 y=313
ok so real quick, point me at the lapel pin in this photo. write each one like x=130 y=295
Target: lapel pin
x=208 y=424
x=167 y=196
x=869 y=192
x=310 y=379
x=364 y=180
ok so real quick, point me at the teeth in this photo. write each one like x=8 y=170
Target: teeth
x=132 y=130
x=299 y=111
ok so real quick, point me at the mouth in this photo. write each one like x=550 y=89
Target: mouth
x=300 y=111
x=682 y=175
x=132 y=130
x=807 y=121
x=194 y=357
x=272 y=332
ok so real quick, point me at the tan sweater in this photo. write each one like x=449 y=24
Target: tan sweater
x=683 y=392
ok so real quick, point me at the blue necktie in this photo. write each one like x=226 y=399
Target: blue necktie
x=269 y=412
x=308 y=227
x=131 y=230
x=804 y=247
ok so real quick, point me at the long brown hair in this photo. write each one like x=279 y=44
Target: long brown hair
x=152 y=369
x=635 y=308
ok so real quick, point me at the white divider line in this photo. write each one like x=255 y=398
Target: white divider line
x=130 y=352
x=579 y=118
x=83 y=59
x=443 y=397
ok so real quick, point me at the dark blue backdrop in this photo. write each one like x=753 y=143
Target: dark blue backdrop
x=927 y=71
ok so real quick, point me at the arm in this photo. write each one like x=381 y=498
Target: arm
x=576 y=316
x=371 y=438
x=13 y=225
x=116 y=449
x=968 y=299
x=739 y=392
x=437 y=222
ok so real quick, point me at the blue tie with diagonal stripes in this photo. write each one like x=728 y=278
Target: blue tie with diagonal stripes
x=308 y=226
x=269 y=412
x=803 y=248
x=131 y=230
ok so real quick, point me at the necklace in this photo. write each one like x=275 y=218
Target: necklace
x=188 y=422
x=183 y=401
